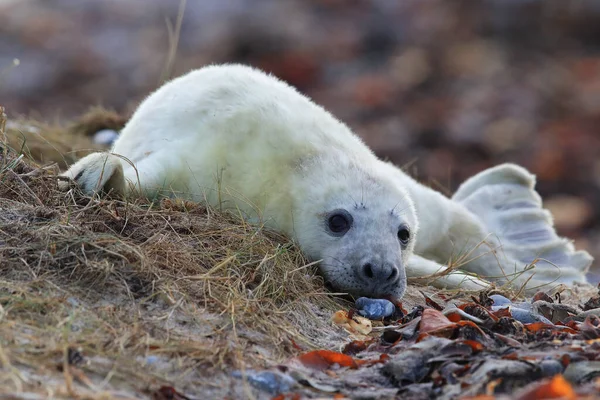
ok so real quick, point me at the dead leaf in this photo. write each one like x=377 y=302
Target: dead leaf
x=356 y=324
x=542 y=296
x=356 y=346
x=591 y=327
x=433 y=320
x=431 y=303
x=538 y=326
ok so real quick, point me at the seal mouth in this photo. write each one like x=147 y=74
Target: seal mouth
x=379 y=293
x=372 y=292
x=377 y=290
x=391 y=291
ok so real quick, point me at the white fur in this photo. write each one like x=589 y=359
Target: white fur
x=240 y=139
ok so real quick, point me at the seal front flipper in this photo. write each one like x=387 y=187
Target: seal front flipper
x=97 y=173
x=504 y=200
x=424 y=271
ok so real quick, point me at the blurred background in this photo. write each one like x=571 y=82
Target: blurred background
x=445 y=88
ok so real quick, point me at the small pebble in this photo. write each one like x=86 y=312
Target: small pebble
x=151 y=360
x=520 y=311
x=527 y=316
x=268 y=381
x=105 y=137
x=374 y=308
x=500 y=300
x=551 y=367
x=525 y=305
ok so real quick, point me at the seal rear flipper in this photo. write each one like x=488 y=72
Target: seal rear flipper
x=504 y=200
x=97 y=173
x=425 y=271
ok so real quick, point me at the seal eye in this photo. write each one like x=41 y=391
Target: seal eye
x=339 y=222
x=404 y=235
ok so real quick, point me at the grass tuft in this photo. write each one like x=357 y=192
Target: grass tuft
x=150 y=293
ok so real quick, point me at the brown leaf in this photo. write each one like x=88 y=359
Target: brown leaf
x=431 y=303
x=509 y=341
x=356 y=346
x=538 y=326
x=478 y=311
x=503 y=312
x=591 y=327
x=542 y=296
x=433 y=320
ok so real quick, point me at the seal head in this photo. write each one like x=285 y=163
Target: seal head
x=362 y=229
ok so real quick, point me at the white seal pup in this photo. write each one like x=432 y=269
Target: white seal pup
x=237 y=138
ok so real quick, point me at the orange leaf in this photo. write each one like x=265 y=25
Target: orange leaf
x=571 y=324
x=536 y=326
x=476 y=346
x=454 y=317
x=510 y=356
x=324 y=359
x=557 y=387
x=503 y=312
x=354 y=324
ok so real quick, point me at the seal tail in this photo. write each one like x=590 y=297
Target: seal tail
x=504 y=200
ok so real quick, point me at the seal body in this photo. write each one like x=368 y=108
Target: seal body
x=237 y=138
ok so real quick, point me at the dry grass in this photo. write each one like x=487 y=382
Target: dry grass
x=149 y=294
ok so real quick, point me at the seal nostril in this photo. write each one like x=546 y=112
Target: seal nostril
x=393 y=274
x=368 y=270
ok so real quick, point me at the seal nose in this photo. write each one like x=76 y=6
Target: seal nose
x=379 y=273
